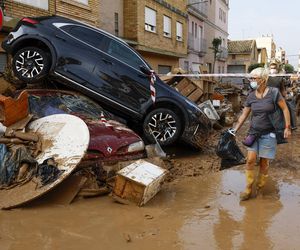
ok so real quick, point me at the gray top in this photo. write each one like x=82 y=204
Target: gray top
x=260 y=108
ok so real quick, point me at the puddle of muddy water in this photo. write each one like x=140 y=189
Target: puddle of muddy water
x=193 y=213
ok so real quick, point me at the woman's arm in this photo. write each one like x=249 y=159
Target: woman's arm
x=287 y=119
x=242 y=118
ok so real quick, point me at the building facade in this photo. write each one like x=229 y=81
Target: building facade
x=197 y=44
x=268 y=43
x=111 y=16
x=157 y=29
x=241 y=54
x=280 y=55
x=216 y=26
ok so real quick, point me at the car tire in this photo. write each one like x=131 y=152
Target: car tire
x=31 y=64
x=165 y=125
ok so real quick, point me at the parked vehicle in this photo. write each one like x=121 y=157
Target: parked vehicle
x=105 y=68
x=110 y=140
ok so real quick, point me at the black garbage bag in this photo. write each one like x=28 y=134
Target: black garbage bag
x=229 y=151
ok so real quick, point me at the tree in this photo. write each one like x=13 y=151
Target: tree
x=288 y=68
x=216 y=42
x=254 y=66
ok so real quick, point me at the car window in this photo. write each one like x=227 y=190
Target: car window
x=124 y=54
x=44 y=105
x=87 y=35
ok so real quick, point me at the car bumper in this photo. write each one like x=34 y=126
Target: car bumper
x=90 y=161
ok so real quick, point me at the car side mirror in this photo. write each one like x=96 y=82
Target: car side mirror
x=145 y=70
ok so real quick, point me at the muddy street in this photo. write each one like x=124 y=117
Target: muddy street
x=192 y=211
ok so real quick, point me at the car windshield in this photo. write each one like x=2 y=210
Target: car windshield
x=44 y=105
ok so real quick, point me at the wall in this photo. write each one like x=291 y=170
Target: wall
x=72 y=9
x=108 y=9
x=134 y=27
x=194 y=57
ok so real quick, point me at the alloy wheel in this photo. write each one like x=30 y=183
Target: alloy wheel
x=162 y=126
x=29 y=63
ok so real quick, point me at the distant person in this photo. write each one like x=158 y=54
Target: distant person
x=276 y=81
x=260 y=103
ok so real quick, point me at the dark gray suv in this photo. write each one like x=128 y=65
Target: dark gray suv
x=105 y=68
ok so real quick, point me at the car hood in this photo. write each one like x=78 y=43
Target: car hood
x=110 y=138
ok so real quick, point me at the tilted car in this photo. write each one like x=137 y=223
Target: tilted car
x=105 y=68
x=110 y=140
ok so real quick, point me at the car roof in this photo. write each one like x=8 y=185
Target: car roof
x=56 y=18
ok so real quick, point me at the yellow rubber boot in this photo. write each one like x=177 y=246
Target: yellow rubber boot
x=250 y=175
x=261 y=181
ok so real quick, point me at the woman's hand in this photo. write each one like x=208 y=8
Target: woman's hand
x=287 y=132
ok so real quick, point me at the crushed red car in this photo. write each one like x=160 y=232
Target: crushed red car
x=110 y=140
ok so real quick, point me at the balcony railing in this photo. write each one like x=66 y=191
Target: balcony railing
x=197 y=44
x=223 y=54
x=197 y=6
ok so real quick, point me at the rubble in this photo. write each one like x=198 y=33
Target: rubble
x=225 y=97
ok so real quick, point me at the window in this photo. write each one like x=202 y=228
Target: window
x=233 y=57
x=220 y=14
x=42 y=4
x=193 y=29
x=150 y=19
x=179 y=31
x=86 y=2
x=167 y=26
x=164 y=69
x=86 y=35
x=117 y=24
x=196 y=35
x=186 y=66
x=224 y=17
x=124 y=54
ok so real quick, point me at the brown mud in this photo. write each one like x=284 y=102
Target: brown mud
x=197 y=208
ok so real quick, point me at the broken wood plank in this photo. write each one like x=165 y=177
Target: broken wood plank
x=13 y=110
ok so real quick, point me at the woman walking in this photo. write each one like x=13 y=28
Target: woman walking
x=260 y=103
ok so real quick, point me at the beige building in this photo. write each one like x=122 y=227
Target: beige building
x=111 y=16
x=158 y=30
x=241 y=54
x=216 y=26
x=262 y=55
x=268 y=43
x=280 y=55
x=197 y=44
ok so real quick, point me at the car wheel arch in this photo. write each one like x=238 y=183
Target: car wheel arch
x=172 y=106
x=39 y=43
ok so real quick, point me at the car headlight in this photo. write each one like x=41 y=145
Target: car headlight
x=137 y=146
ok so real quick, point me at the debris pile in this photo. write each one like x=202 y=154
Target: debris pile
x=219 y=101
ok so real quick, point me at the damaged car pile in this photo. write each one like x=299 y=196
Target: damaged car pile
x=55 y=134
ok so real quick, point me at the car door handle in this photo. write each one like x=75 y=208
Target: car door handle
x=107 y=61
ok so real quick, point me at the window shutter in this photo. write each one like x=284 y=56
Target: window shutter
x=167 y=26
x=179 y=31
x=42 y=4
x=150 y=16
